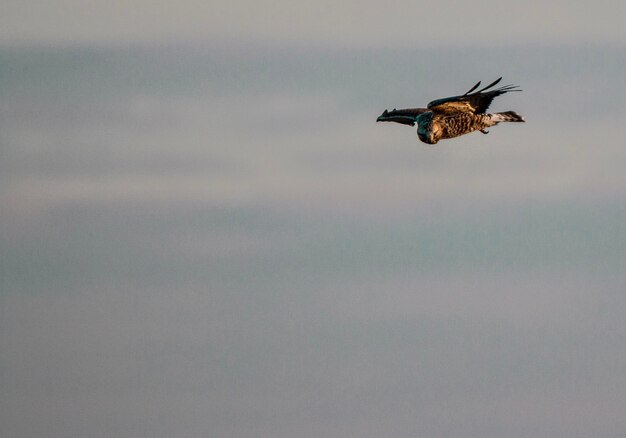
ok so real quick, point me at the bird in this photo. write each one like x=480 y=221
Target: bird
x=455 y=116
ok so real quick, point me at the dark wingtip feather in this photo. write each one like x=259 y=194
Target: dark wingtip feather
x=491 y=85
x=472 y=89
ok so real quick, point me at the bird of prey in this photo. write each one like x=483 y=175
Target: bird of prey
x=454 y=116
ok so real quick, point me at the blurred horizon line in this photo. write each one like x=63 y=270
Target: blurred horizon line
x=287 y=45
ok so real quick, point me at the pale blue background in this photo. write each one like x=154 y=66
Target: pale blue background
x=205 y=233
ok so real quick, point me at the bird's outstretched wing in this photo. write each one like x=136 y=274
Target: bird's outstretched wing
x=406 y=116
x=477 y=102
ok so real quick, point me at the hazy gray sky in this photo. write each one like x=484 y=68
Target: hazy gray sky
x=219 y=240
x=325 y=22
x=196 y=242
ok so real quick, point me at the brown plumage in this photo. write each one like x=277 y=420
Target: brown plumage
x=454 y=116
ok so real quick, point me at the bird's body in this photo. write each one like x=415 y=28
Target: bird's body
x=454 y=116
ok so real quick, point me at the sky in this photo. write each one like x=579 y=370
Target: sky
x=204 y=232
x=350 y=23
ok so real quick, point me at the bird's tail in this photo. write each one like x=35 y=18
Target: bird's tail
x=507 y=116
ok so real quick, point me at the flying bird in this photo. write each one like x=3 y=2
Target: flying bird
x=455 y=116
